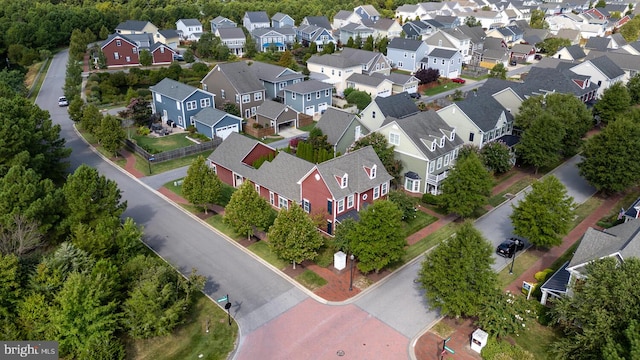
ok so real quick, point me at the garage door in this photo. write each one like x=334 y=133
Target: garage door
x=309 y=110
x=453 y=74
x=224 y=131
x=322 y=107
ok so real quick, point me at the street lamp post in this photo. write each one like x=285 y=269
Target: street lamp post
x=513 y=258
x=149 y=162
x=351 y=278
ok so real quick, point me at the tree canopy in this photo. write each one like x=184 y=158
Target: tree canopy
x=540 y=144
x=201 y=186
x=457 y=274
x=294 y=236
x=466 y=187
x=615 y=101
x=247 y=209
x=545 y=214
x=496 y=156
x=498 y=71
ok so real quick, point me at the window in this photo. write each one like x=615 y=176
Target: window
x=322 y=70
x=350 y=201
x=439 y=165
x=333 y=72
x=442 y=61
x=432 y=166
x=204 y=103
x=293 y=96
x=340 y=205
x=372 y=173
x=178 y=105
x=399 y=64
x=394 y=139
x=253 y=111
x=281 y=85
x=413 y=56
x=134 y=50
x=442 y=142
x=327 y=93
x=453 y=136
x=317 y=94
x=384 y=188
x=373 y=114
x=405 y=54
x=344 y=181
x=271 y=201
x=339 y=73
x=283 y=203
x=161 y=50
x=446 y=160
x=118 y=43
x=433 y=146
x=158 y=98
x=128 y=59
x=223 y=94
x=376 y=192
x=411 y=185
x=205 y=87
x=116 y=55
x=257 y=188
x=192 y=120
x=257 y=96
x=246 y=98
x=215 y=168
x=180 y=120
x=192 y=105
x=306 y=205
x=308 y=97
x=471 y=135
x=247 y=113
x=434 y=60
x=237 y=98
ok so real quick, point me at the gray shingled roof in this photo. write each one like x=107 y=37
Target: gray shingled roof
x=541 y=80
x=281 y=175
x=353 y=164
x=576 y=52
x=397 y=106
x=279 y=16
x=271 y=109
x=320 y=21
x=597 y=43
x=257 y=16
x=334 y=123
x=273 y=73
x=231 y=152
x=426 y=127
x=210 y=116
x=405 y=44
x=308 y=86
x=231 y=33
x=365 y=79
x=342 y=15
x=191 y=22
x=333 y=61
x=608 y=67
x=483 y=110
x=442 y=53
x=396 y=78
x=242 y=78
x=624 y=61
x=134 y=25
x=596 y=244
x=173 y=89
x=559 y=280
x=357 y=55
x=168 y=33
x=263 y=31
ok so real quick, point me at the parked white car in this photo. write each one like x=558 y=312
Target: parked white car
x=62 y=101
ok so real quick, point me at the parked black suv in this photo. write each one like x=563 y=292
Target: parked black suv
x=509 y=247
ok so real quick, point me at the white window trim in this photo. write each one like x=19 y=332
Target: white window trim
x=384 y=188
x=350 y=201
x=376 y=192
x=394 y=136
x=257 y=96
x=206 y=102
x=344 y=181
x=192 y=105
x=306 y=205
x=283 y=202
x=340 y=206
x=271 y=198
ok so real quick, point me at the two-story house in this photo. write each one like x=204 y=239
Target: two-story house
x=341 y=128
x=333 y=70
x=379 y=109
x=405 y=54
x=132 y=27
x=179 y=102
x=221 y=22
x=235 y=83
x=447 y=61
x=189 y=29
x=311 y=34
x=384 y=27
x=280 y=20
x=420 y=29
x=275 y=78
x=311 y=97
x=602 y=71
x=367 y=12
x=271 y=39
x=168 y=37
x=255 y=19
x=372 y=62
x=373 y=85
x=233 y=38
x=319 y=21
x=427 y=147
x=124 y=50
x=354 y=31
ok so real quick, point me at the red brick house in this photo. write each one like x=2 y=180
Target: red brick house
x=337 y=188
x=123 y=50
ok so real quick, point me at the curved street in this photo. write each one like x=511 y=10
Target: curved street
x=278 y=318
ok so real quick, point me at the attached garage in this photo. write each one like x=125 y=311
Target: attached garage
x=310 y=110
x=223 y=132
x=213 y=122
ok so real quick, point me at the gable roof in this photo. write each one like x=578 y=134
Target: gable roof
x=272 y=109
x=211 y=116
x=543 y=80
x=227 y=33
x=396 y=78
x=483 y=110
x=281 y=175
x=168 y=33
x=342 y=15
x=442 y=53
x=173 y=89
x=273 y=73
x=334 y=123
x=595 y=244
x=624 y=61
x=608 y=67
x=221 y=20
x=397 y=106
x=366 y=79
x=257 y=16
x=476 y=34
x=280 y=16
x=370 y=10
x=305 y=87
x=333 y=61
x=259 y=32
x=240 y=76
x=597 y=43
x=191 y=22
x=358 y=55
x=233 y=150
x=320 y=21
x=405 y=44
x=133 y=25
x=576 y=52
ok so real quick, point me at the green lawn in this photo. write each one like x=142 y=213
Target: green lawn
x=311 y=280
x=441 y=88
x=163 y=143
x=263 y=250
x=142 y=164
x=191 y=341
x=522 y=263
x=430 y=241
x=421 y=220
x=513 y=189
x=216 y=222
x=537 y=340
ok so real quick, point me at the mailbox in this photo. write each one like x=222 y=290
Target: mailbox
x=479 y=340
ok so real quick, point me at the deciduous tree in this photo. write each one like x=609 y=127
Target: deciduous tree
x=457 y=274
x=294 y=236
x=633 y=88
x=540 y=144
x=111 y=134
x=496 y=157
x=471 y=21
x=551 y=45
x=247 y=209
x=360 y=98
x=545 y=214
x=467 y=187
x=498 y=71
x=615 y=100
x=201 y=186
x=377 y=243
x=537 y=19
x=428 y=75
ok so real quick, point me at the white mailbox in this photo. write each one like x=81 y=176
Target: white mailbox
x=339 y=260
x=479 y=340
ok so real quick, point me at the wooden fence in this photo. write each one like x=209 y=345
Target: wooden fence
x=174 y=154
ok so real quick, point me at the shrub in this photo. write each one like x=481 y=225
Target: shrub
x=191 y=129
x=144 y=131
x=144 y=93
x=502 y=350
x=430 y=199
x=542 y=276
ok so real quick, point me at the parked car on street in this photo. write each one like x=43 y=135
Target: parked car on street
x=459 y=80
x=509 y=247
x=62 y=101
x=415 y=95
x=178 y=57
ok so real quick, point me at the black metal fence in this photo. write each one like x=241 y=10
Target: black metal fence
x=174 y=154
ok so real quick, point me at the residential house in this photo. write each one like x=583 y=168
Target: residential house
x=494 y=51
x=311 y=97
x=488 y=19
x=339 y=188
x=599 y=43
x=541 y=81
x=602 y=71
x=627 y=62
x=319 y=21
x=442 y=39
x=372 y=62
x=510 y=34
x=221 y=22
x=311 y=34
x=169 y=37
x=460 y=41
x=341 y=128
x=535 y=36
x=400 y=82
x=189 y=29
x=367 y=12
x=384 y=27
x=423 y=10
x=235 y=83
x=333 y=70
x=234 y=38
x=476 y=37
x=276 y=115
x=523 y=53
x=619 y=242
x=478 y=119
x=123 y=50
x=448 y=62
x=571 y=53
x=572 y=35
x=427 y=147
x=405 y=54
x=216 y=123
x=632 y=213
x=275 y=78
x=280 y=20
x=379 y=109
x=448 y=22
x=270 y=39
x=355 y=30
x=344 y=17
x=255 y=19
x=133 y=27
x=373 y=85
x=420 y=29
x=179 y=102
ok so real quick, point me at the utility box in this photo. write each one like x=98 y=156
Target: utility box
x=479 y=340
x=339 y=260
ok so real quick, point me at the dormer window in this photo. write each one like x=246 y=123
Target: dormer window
x=433 y=146
x=453 y=136
x=344 y=181
x=372 y=172
x=442 y=142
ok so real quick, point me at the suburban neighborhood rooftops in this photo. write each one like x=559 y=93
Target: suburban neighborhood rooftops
x=239 y=74
x=623 y=239
x=366 y=79
x=334 y=123
x=442 y=53
x=271 y=109
x=257 y=16
x=132 y=25
x=273 y=73
x=405 y=44
x=281 y=174
x=227 y=33
x=308 y=86
x=608 y=67
x=397 y=106
x=211 y=116
x=173 y=89
x=335 y=61
x=191 y=22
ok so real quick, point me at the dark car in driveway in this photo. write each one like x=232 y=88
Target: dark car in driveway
x=415 y=95
x=509 y=247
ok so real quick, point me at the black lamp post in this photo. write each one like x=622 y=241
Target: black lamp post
x=149 y=162
x=513 y=258
x=351 y=279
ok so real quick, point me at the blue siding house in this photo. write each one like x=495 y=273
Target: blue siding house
x=275 y=78
x=311 y=97
x=405 y=54
x=447 y=61
x=213 y=122
x=179 y=102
